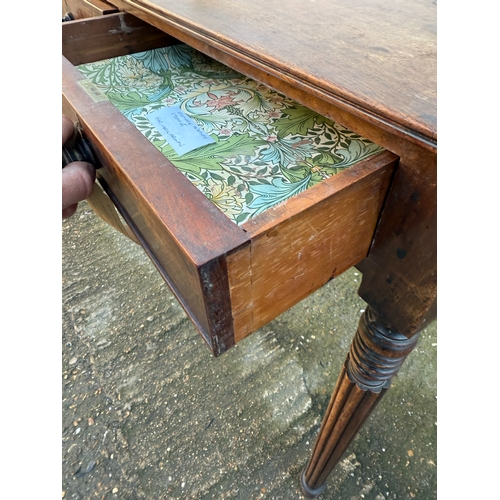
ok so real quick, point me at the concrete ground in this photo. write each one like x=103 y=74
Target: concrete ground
x=149 y=413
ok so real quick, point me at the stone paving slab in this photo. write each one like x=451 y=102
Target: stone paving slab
x=149 y=413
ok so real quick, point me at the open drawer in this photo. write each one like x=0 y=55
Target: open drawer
x=231 y=278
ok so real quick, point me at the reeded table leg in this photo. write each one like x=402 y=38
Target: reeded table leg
x=376 y=355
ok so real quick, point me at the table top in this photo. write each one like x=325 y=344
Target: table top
x=376 y=58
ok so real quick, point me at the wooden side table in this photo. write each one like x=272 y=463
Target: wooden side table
x=370 y=66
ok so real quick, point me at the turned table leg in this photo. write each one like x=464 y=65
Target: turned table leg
x=375 y=356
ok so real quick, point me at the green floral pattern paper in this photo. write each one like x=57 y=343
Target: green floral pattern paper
x=267 y=147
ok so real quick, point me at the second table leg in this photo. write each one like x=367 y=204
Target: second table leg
x=375 y=356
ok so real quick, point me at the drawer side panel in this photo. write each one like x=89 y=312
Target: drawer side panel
x=292 y=257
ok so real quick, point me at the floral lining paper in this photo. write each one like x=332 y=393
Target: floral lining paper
x=267 y=147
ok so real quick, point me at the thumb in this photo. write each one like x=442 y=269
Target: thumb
x=77 y=183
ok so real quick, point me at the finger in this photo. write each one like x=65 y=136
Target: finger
x=68 y=129
x=77 y=182
x=68 y=212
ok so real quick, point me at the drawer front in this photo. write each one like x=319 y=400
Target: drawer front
x=230 y=279
x=153 y=197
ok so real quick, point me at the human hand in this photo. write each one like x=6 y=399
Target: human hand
x=77 y=177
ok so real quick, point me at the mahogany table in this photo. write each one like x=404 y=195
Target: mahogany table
x=367 y=64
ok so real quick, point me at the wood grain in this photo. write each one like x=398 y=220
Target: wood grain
x=372 y=58
x=375 y=356
x=299 y=245
x=81 y=9
x=400 y=273
x=158 y=202
x=99 y=38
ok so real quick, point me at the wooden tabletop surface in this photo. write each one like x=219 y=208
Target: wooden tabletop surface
x=376 y=57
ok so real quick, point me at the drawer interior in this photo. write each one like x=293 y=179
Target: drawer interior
x=243 y=145
x=280 y=201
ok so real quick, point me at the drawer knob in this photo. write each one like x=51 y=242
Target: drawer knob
x=78 y=149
